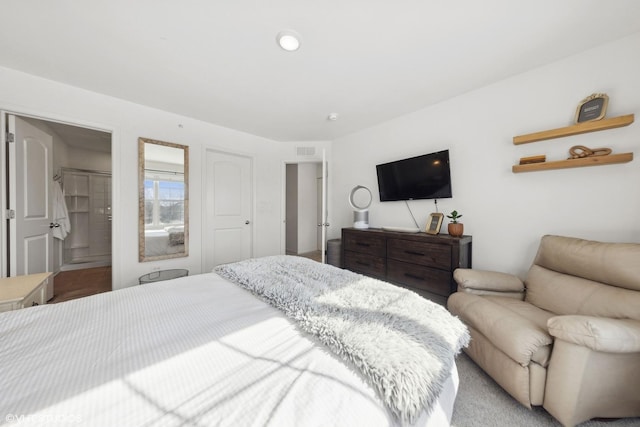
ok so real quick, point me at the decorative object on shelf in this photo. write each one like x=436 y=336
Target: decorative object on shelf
x=580 y=152
x=434 y=223
x=593 y=107
x=533 y=159
x=360 y=205
x=455 y=228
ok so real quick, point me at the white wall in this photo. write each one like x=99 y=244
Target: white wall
x=508 y=213
x=29 y=95
x=79 y=158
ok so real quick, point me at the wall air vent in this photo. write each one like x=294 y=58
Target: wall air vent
x=306 y=151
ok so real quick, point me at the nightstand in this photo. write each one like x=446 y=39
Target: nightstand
x=23 y=291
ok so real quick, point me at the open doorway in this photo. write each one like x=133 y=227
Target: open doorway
x=303 y=210
x=72 y=189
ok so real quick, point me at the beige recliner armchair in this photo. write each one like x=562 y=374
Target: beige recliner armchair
x=568 y=337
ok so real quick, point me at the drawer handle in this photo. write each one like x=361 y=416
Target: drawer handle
x=414 y=253
x=362 y=244
x=412 y=276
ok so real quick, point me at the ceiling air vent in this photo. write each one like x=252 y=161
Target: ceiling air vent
x=306 y=151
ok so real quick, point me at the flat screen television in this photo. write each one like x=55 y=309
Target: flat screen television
x=421 y=177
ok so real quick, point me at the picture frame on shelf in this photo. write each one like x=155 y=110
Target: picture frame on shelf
x=434 y=222
x=593 y=107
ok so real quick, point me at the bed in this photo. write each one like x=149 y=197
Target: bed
x=163 y=242
x=198 y=350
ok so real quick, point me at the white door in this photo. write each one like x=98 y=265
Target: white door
x=319 y=214
x=30 y=174
x=227 y=227
x=325 y=208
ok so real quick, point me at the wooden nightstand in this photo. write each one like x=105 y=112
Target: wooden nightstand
x=23 y=291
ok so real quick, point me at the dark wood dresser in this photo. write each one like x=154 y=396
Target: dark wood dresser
x=421 y=262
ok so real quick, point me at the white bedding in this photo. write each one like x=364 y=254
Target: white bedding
x=191 y=351
x=156 y=243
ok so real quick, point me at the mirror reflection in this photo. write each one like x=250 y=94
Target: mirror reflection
x=163 y=221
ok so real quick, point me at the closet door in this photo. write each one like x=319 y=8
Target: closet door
x=227 y=228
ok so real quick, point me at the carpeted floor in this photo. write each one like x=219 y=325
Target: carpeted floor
x=481 y=402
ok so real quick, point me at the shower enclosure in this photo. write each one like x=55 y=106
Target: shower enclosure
x=88 y=199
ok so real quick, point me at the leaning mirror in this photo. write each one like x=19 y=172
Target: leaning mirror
x=163 y=205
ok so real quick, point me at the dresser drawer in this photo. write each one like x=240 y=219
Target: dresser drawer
x=429 y=279
x=365 y=243
x=421 y=253
x=365 y=264
x=421 y=262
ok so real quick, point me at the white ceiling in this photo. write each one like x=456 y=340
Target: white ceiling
x=367 y=60
x=78 y=137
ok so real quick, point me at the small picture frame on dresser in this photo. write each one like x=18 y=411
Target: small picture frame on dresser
x=434 y=223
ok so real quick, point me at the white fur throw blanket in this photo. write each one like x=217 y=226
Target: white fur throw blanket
x=403 y=344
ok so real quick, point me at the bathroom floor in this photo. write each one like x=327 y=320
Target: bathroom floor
x=315 y=255
x=68 y=285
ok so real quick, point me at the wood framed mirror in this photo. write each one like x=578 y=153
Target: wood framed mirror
x=163 y=200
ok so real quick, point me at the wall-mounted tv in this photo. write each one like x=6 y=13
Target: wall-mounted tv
x=421 y=177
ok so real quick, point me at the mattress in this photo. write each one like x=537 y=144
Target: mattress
x=197 y=350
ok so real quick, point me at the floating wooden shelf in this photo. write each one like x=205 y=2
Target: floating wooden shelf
x=576 y=129
x=575 y=163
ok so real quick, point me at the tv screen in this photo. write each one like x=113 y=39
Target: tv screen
x=422 y=177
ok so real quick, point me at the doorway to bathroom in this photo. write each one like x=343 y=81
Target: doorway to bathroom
x=57 y=197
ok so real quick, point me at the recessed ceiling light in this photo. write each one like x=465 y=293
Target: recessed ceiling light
x=333 y=117
x=288 y=40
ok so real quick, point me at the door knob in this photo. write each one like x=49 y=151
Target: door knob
x=247 y=222
x=54 y=225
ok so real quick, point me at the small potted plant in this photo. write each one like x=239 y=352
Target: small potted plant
x=455 y=228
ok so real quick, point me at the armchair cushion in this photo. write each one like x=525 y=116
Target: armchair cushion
x=614 y=264
x=597 y=333
x=515 y=327
x=566 y=294
x=482 y=282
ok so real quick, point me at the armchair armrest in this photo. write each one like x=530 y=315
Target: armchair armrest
x=482 y=282
x=597 y=333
